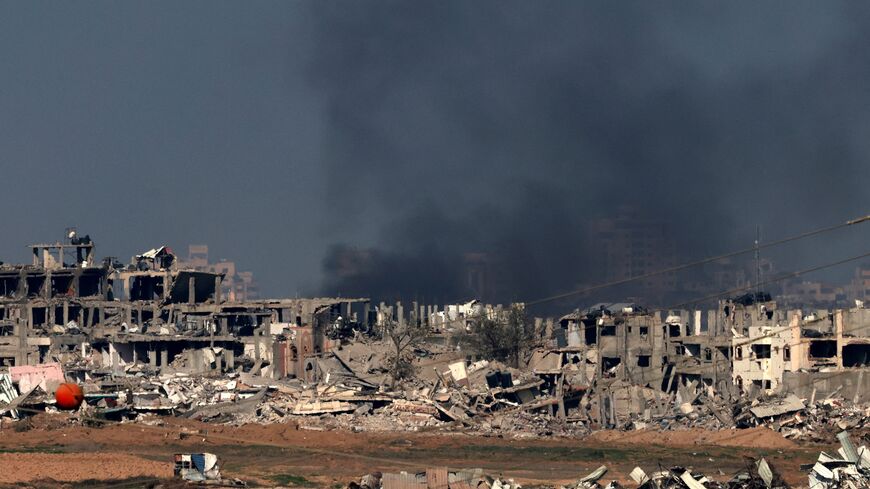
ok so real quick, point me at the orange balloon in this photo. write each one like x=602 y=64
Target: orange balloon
x=69 y=396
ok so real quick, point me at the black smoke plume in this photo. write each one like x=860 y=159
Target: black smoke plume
x=459 y=130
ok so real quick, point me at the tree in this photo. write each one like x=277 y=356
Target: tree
x=403 y=338
x=506 y=338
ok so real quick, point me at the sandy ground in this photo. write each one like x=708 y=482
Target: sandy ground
x=267 y=454
x=25 y=467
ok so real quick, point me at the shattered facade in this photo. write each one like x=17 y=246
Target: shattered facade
x=151 y=313
x=154 y=338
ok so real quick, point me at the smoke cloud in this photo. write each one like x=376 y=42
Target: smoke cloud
x=456 y=130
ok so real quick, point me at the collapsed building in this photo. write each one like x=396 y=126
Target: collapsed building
x=640 y=363
x=152 y=325
x=102 y=317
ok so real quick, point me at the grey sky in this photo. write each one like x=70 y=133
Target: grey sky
x=275 y=130
x=145 y=123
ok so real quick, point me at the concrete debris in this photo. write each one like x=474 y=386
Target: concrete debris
x=849 y=469
x=759 y=475
x=803 y=420
x=434 y=478
x=197 y=466
x=202 y=468
x=160 y=336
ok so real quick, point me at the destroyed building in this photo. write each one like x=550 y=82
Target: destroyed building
x=106 y=316
x=154 y=336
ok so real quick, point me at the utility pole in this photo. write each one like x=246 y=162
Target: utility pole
x=757 y=260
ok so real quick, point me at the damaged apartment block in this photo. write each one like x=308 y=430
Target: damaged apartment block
x=151 y=315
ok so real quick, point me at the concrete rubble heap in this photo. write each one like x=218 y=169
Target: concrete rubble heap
x=849 y=469
x=152 y=338
x=759 y=475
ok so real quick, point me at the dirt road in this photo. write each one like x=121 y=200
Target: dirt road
x=286 y=454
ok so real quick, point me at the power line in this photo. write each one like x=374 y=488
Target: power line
x=568 y=294
x=416 y=465
x=722 y=293
x=710 y=259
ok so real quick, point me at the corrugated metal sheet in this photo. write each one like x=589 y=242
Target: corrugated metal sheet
x=595 y=475
x=436 y=478
x=8 y=392
x=765 y=473
x=789 y=404
x=690 y=481
x=402 y=481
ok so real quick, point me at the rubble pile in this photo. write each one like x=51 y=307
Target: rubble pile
x=351 y=391
x=804 y=420
x=850 y=469
x=439 y=477
x=759 y=475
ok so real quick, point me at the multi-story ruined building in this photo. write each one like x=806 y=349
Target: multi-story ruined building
x=632 y=246
x=860 y=286
x=152 y=312
x=236 y=285
x=746 y=345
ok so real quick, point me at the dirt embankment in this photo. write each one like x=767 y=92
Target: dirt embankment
x=759 y=437
x=54 y=449
x=70 y=467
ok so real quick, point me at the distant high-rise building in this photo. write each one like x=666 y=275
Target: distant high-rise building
x=236 y=286
x=630 y=245
x=476 y=275
x=810 y=293
x=861 y=283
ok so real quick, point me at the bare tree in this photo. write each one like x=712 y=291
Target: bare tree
x=506 y=338
x=403 y=338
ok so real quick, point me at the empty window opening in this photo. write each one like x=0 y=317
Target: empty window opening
x=9 y=286
x=856 y=355
x=34 y=285
x=643 y=360
x=144 y=288
x=738 y=353
x=39 y=316
x=823 y=349
x=708 y=355
x=610 y=365
x=674 y=330
x=89 y=285
x=62 y=286
x=608 y=330
x=644 y=331
x=590 y=332
x=786 y=353
x=761 y=351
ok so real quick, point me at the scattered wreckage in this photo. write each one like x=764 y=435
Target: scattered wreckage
x=759 y=475
x=203 y=469
x=849 y=469
x=171 y=343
